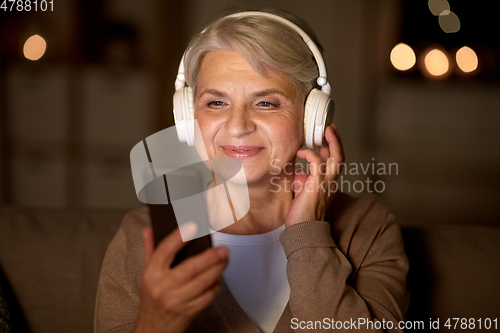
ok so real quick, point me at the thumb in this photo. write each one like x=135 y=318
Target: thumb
x=149 y=246
x=299 y=181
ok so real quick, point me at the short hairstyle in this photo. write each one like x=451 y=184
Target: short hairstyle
x=262 y=42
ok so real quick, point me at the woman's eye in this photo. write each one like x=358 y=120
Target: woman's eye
x=266 y=104
x=216 y=104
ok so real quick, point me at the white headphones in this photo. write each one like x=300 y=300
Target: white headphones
x=318 y=109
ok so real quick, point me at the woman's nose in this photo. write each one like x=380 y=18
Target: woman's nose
x=239 y=122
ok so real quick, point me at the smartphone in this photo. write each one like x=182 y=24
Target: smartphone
x=164 y=222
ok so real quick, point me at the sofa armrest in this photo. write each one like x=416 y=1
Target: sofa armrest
x=454 y=271
x=52 y=260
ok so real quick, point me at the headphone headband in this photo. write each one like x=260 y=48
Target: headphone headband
x=322 y=81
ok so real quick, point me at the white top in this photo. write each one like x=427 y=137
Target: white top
x=256 y=275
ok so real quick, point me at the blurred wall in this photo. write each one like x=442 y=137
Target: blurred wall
x=69 y=120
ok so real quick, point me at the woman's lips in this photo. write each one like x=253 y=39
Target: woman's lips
x=241 y=152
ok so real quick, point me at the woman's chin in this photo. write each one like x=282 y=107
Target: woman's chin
x=258 y=178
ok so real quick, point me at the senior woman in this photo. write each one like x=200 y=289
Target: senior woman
x=301 y=259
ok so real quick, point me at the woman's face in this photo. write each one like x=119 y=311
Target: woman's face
x=244 y=115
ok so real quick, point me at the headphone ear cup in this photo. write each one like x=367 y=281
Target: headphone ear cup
x=189 y=110
x=318 y=111
x=309 y=115
x=184 y=115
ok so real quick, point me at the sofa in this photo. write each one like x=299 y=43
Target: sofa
x=50 y=262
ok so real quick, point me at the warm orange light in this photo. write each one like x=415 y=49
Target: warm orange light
x=436 y=62
x=402 y=57
x=467 y=59
x=34 y=47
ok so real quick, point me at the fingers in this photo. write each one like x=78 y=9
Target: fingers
x=316 y=167
x=324 y=150
x=327 y=165
x=192 y=267
x=203 y=281
x=176 y=294
x=149 y=246
x=337 y=134
x=190 y=283
x=201 y=302
x=335 y=143
x=299 y=181
x=313 y=160
x=168 y=248
x=336 y=149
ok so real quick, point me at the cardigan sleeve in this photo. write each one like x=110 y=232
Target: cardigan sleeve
x=324 y=283
x=117 y=300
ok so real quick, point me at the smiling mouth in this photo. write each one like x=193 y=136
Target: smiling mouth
x=241 y=151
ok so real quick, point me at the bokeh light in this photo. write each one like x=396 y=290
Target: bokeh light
x=467 y=59
x=438 y=6
x=402 y=57
x=436 y=62
x=34 y=47
x=449 y=21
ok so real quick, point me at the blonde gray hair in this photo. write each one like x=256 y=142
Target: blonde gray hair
x=262 y=42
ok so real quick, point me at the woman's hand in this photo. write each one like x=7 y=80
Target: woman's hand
x=315 y=193
x=171 y=297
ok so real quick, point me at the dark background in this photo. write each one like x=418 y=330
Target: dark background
x=69 y=120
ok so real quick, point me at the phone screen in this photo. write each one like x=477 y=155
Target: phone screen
x=164 y=222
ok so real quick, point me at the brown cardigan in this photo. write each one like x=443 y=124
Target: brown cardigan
x=353 y=266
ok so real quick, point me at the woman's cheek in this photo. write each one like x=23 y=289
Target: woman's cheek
x=289 y=144
x=205 y=132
